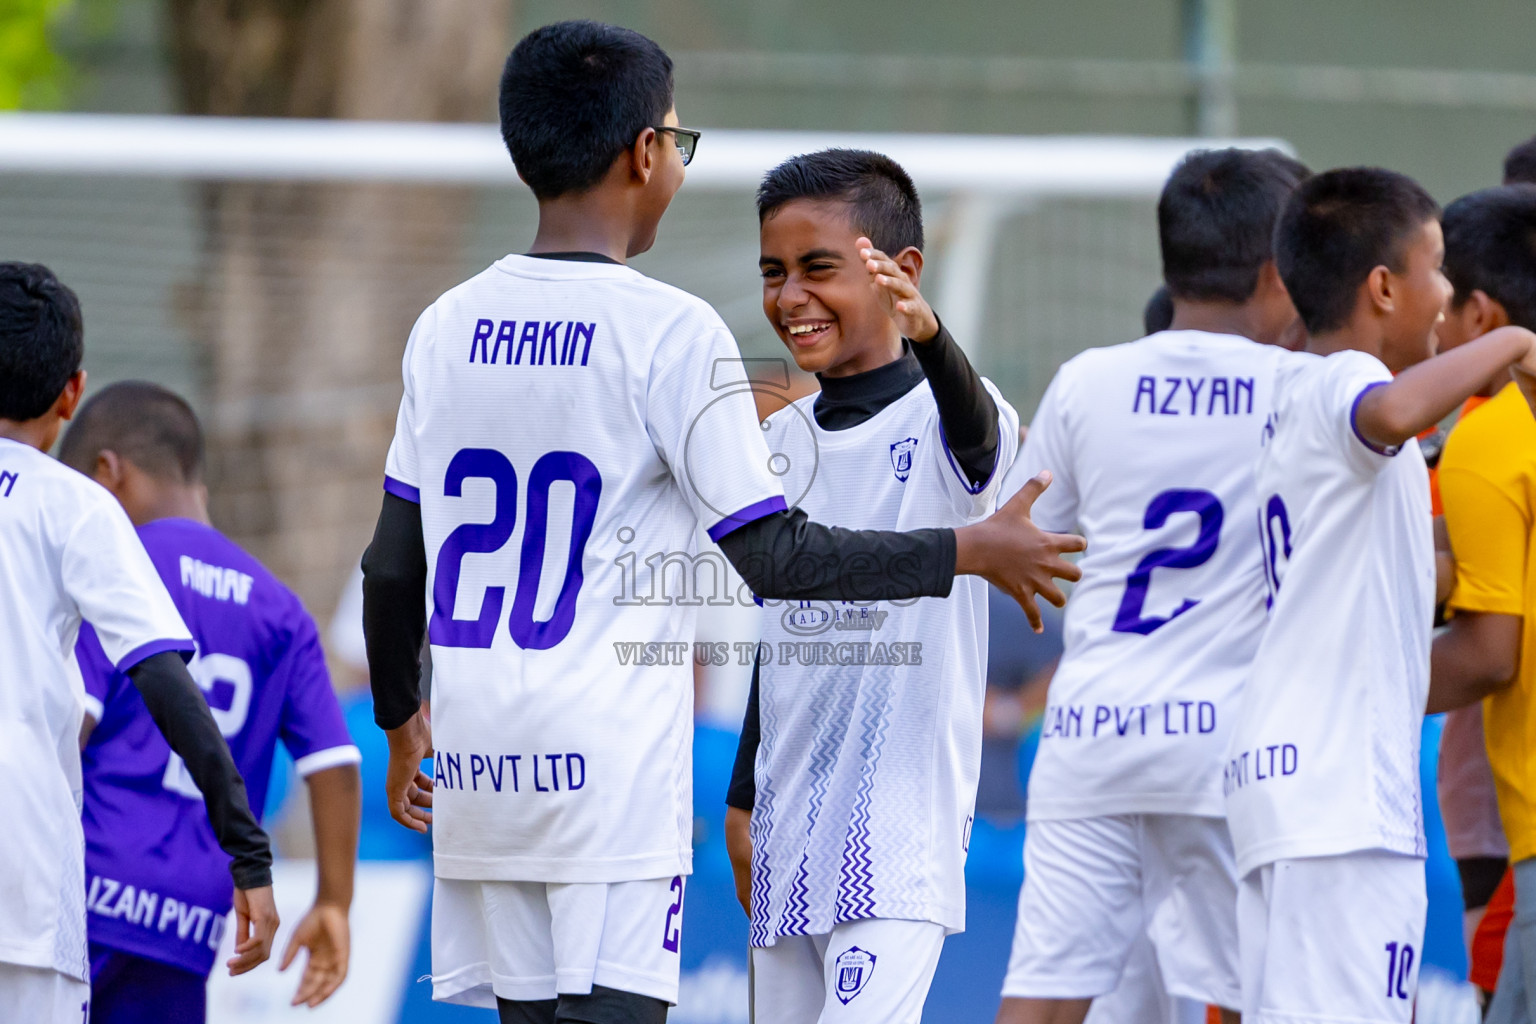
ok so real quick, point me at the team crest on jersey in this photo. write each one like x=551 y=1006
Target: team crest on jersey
x=901 y=457
x=854 y=966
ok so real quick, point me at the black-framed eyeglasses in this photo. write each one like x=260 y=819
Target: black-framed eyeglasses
x=687 y=140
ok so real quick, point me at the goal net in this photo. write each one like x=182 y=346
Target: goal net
x=271 y=271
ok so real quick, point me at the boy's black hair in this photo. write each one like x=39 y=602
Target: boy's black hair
x=1490 y=244
x=150 y=426
x=576 y=94
x=1157 y=315
x=1520 y=164
x=881 y=198
x=1216 y=220
x=42 y=339
x=1339 y=226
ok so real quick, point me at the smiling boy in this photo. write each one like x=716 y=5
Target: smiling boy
x=865 y=776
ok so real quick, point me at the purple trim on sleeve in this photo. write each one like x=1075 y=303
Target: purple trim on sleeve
x=965 y=481
x=400 y=489
x=144 y=651
x=740 y=518
x=1354 y=410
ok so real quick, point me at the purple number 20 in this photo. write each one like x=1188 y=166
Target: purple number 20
x=1129 y=619
x=483 y=538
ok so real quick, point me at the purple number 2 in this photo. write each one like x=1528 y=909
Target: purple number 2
x=484 y=538
x=671 y=933
x=1130 y=619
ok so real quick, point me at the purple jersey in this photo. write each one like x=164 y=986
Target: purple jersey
x=157 y=884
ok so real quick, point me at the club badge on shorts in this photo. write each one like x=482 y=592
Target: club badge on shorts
x=854 y=966
x=901 y=457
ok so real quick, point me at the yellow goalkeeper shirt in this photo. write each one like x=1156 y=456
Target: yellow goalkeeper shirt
x=1488 y=486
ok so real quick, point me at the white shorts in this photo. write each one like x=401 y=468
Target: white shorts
x=43 y=995
x=1094 y=886
x=526 y=941
x=874 y=970
x=1332 y=939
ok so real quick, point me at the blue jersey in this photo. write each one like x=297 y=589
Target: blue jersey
x=157 y=884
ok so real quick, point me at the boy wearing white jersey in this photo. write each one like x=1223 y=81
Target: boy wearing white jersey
x=1151 y=443
x=70 y=554
x=567 y=426
x=1322 y=778
x=859 y=759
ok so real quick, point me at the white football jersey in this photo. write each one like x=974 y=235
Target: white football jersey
x=69 y=553
x=871 y=711
x=1151 y=445
x=567 y=427
x=1325 y=751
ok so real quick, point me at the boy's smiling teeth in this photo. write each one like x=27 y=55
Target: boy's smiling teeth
x=801 y=329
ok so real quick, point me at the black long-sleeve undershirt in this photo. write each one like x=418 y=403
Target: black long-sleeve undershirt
x=742 y=791
x=395 y=611
x=783 y=556
x=969 y=417
x=967 y=412
x=182 y=716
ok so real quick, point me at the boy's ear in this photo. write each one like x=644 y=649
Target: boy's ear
x=642 y=156
x=108 y=470
x=69 y=399
x=910 y=260
x=1269 y=279
x=1379 y=287
x=1489 y=313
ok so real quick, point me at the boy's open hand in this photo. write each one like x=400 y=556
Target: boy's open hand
x=408 y=787
x=326 y=935
x=1013 y=554
x=902 y=301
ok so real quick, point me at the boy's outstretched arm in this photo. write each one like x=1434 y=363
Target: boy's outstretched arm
x=785 y=556
x=1423 y=395
x=335 y=808
x=394 y=626
x=181 y=714
x=967 y=411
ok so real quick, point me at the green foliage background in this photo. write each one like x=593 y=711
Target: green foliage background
x=35 y=74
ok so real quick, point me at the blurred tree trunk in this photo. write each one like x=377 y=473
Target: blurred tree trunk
x=306 y=292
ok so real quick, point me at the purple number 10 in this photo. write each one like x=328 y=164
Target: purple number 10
x=483 y=538
x=1399 y=970
x=1130 y=619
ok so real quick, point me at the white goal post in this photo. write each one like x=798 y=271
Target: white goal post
x=987 y=175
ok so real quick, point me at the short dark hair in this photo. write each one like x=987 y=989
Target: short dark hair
x=1490 y=245
x=42 y=339
x=1157 y=315
x=1520 y=164
x=576 y=94
x=1339 y=226
x=881 y=198
x=150 y=426
x=1216 y=220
